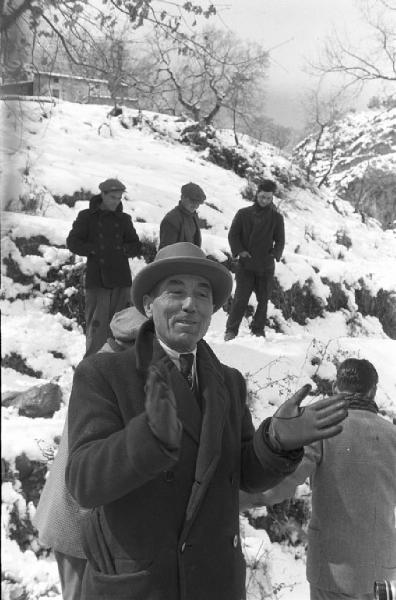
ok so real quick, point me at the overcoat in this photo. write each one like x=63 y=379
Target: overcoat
x=164 y=525
x=260 y=231
x=179 y=225
x=352 y=532
x=108 y=239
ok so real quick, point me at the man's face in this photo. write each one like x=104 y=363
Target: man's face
x=264 y=198
x=181 y=307
x=190 y=204
x=110 y=200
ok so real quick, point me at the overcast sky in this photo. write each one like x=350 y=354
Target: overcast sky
x=299 y=28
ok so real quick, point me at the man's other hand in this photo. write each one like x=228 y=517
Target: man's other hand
x=161 y=409
x=244 y=254
x=293 y=427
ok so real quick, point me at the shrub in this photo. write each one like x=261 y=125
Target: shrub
x=70 y=201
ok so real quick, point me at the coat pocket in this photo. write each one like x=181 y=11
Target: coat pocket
x=136 y=584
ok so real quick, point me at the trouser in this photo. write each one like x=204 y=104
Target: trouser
x=101 y=304
x=319 y=594
x=71 y=572
x=246 y=283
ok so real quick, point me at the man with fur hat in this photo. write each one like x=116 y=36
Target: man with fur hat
x=106 y=236
x=181 y=223
x=352 y=534
x=161 y=440
x=257 y=239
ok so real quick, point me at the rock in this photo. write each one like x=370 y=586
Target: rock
x=38 y=401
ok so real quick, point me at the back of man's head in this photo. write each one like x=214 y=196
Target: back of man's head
x=356 y=375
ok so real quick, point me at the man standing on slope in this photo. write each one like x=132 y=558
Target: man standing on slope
x=181 y=223
x=352 y=533
x=257 y=239
x=161 y=440
x=106 y=236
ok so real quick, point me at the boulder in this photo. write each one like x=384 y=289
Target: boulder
x=38 y=401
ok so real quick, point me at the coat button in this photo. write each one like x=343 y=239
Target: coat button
x=235 y=541
x=183 y=547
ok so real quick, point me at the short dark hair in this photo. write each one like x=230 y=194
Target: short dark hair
x=266 y=185
x=356 y=375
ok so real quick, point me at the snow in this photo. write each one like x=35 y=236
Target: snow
x=65 y=153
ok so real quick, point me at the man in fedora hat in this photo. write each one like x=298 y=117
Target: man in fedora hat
x=181 y=223
x=106 y=236
x=161 y=440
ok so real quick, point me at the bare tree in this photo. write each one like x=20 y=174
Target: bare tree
x=218 y=72
x=374 y=58
x=76 y=23
x=322 y=110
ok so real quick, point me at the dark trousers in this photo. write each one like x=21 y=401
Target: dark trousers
x=101 y=304
x=246 y=283
x=71 y=572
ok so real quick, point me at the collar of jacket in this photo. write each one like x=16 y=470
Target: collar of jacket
x=262 y=210
x=96 y=201
x=187 y=212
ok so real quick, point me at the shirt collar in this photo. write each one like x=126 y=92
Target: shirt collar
x=174 y=355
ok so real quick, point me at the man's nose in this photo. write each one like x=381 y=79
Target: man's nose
x=189 y=303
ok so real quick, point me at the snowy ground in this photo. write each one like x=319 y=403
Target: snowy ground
x=64 y=153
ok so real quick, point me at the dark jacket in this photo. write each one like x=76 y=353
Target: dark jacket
x=108 y=239
x=261 y=232
x=179 y=225
x=164 y=527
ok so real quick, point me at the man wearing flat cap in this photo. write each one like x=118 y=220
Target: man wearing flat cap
x=106 y=236
x=181 y=224
x=161 y=440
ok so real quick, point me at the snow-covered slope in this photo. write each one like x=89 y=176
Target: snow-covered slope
x=335 y=290
x=356 y=157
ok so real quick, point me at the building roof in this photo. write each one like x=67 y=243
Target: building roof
x=69 y=76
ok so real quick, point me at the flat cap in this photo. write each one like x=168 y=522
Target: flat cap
x=112 y=185
x=193 y=191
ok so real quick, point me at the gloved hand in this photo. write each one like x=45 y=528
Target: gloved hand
x=161 y=409
x=292 y=427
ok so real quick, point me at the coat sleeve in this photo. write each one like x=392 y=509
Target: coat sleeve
x=131 y=244
x=169 y=233
x=78 y=239
x=261 y=467
x=235 y=235
x=107 y=459
x=279 y=238
x=287 y=488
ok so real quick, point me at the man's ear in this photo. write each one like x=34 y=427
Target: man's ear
x=372 y=391
x=148 y=305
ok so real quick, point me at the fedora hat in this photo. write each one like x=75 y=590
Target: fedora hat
x=182 y=258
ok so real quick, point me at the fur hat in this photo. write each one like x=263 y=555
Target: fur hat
x=112 y=185
x=193 y=191
x=182 y=258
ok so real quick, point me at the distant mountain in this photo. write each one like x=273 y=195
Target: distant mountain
x=356 y=158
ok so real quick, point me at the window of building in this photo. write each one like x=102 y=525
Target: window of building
x=55 y=93
x=56 y=79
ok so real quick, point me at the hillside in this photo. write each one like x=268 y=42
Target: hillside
x=356 y=158
x=335 y=294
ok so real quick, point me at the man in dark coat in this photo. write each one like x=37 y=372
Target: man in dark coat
x=161 y=440
x=106 y=236
x=181 y=223
x=257 y=239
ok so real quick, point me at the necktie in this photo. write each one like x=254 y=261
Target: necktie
x=186 y=363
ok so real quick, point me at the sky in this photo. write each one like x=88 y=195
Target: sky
x=295 y=30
